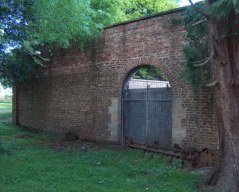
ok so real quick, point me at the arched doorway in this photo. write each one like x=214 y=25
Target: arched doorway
x=147 y=108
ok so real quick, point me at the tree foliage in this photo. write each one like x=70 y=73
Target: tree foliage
x=196 y=48
x=62 y=23
x=150 y=73
x=27 y=27
x=222 y=9
x=138 y=8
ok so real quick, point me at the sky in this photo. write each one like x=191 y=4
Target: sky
x=186 y=2
x=4 y=92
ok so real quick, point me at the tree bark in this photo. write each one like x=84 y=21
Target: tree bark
x=225 y=70
x=224 y=67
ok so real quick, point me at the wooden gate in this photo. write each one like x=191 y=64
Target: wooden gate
x=147 y=116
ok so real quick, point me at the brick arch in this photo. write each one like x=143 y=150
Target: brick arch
x=173 y=76
x=137 y=65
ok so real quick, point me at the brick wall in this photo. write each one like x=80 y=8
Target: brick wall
x=80 y=91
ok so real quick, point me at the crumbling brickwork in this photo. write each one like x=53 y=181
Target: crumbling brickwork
x=80 y=91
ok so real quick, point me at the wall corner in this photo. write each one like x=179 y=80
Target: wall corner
x=14 y=105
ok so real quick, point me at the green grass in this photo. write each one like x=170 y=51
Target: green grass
x=5 y=107
x=28 y=165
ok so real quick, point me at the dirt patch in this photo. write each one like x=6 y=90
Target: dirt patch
x=23 y=137
x=82 y=146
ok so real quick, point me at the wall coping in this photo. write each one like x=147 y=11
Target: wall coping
x=180 y=9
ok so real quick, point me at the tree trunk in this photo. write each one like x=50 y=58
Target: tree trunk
x=224 y=67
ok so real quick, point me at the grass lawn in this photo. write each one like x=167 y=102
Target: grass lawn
x=33 y=162
x=5 y=107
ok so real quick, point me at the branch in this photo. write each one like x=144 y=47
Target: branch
x=200 y=21
x=213 y=84
x=202 y=62
x=229 y=35
x=37 y=56
x=42 y=58
x=198 y=10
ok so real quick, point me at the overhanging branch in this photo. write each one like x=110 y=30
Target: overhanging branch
x=203 y=19
x=228 y=35
x=213 y=84
x=202 y=62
